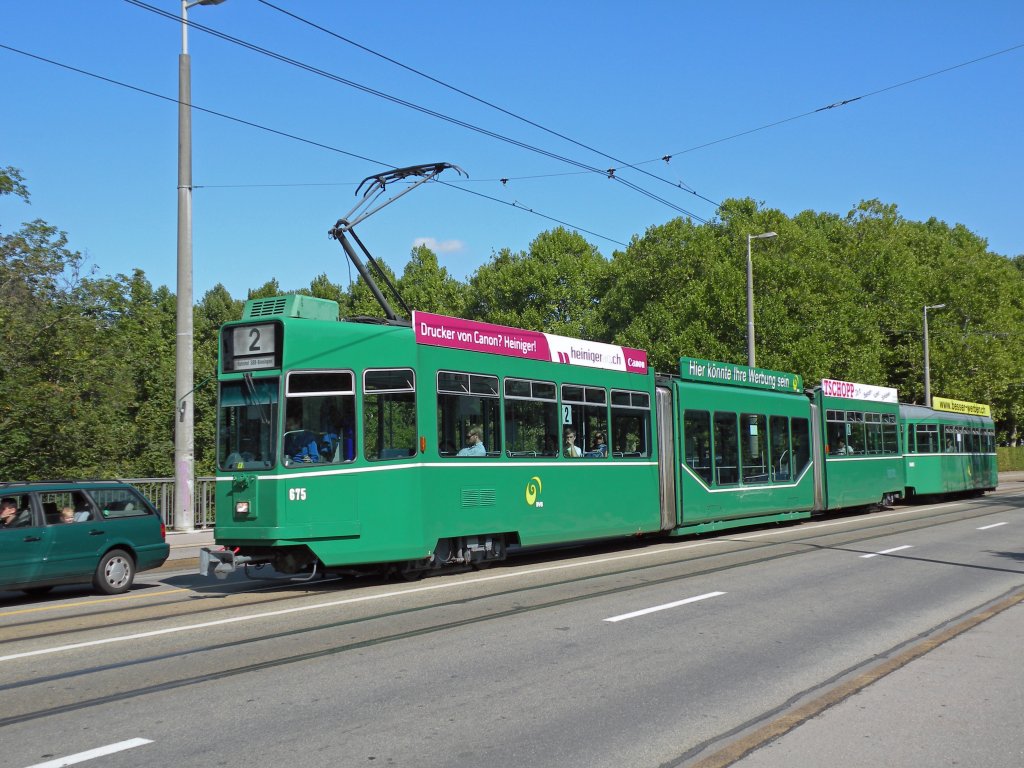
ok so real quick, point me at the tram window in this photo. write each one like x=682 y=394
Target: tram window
x=727 y=455
x=697 y=433
x=837 y=434
x=531 y=419
x=855 y=437
x=246 y=424
x=781 y=455
x=927 y=438
x=585 y=412
x=465 y=402
x=631 y=424
x=389 y=414
x=873 y=433
x=754 y=428
x=949 y=439
x=890 y=435
x=320 y=418
x=801 y=431
x=975 y=444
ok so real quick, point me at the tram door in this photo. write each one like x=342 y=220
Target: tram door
x=817 y=458
x=666 y=458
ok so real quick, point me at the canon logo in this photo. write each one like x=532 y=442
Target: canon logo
x=634 y=363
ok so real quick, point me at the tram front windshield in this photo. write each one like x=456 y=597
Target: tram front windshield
x=246 y=424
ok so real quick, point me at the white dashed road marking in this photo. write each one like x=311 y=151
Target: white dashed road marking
x=664 y=607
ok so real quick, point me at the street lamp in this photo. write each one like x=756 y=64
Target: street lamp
x=184 y=438
x=750 y=295
x=927 y=372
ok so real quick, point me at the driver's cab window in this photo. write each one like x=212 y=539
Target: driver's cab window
x=320 y=418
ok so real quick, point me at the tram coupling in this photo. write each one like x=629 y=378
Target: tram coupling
x=227 y=561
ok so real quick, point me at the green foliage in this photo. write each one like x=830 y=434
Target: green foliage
x=87 y=380
x=426 y=286
x=12 y=183
x=1011 y=459
x=361 y=301
x=555 y=287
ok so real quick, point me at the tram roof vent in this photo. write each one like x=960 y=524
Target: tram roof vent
x=293 y=305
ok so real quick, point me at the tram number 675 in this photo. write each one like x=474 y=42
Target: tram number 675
x=296 y=494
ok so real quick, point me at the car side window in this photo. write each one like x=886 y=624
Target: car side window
x=18 y=511
x=118 y=502
x=62 y=507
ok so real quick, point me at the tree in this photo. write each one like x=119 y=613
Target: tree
x=555 y=287
x=216 y=308
x=12 y=183
x=361 y=301
x=426 y=285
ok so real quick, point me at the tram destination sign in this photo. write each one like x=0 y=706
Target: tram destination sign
x=252 y=347
x=960 y=406
x=714 y=372
x=456 y=333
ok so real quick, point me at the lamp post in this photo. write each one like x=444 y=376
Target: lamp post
x=927 y=372
x=750 y=295
x=184 y=433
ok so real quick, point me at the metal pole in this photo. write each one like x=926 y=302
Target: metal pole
x=184 y=434
x=750 y=294
x=927 y=370
x=927 y=373
x=750 y=306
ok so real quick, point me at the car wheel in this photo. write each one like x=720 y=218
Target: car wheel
x=37 y=591
x=115 y=572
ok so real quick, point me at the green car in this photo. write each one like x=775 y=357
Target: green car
x=72 y=532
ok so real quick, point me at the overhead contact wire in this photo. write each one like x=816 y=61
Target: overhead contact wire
x=401 y=102
x=276 y=132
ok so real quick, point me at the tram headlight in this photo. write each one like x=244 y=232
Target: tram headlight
x=241 y=507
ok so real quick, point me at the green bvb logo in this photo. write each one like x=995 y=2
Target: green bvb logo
x=533 y=491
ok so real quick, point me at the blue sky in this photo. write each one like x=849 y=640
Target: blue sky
x=637 y=81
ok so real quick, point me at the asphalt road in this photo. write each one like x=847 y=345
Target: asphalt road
x=669 y=653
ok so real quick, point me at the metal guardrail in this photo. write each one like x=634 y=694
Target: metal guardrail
x=160 y=491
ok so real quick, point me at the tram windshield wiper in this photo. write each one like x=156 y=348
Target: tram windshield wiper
x=251 y=387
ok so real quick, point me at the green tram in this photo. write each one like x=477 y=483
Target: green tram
x=344 y=444
x=861 y=454
x=950 y=448
x=389 y=446
x=745 y=442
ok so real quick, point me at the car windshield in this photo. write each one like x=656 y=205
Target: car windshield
x=245 y=423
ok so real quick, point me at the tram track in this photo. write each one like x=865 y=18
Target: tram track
x=212 y=654
x=189 y=599
x=55 y=626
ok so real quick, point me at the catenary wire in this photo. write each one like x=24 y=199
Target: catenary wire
x=666 y=157
x=411 y=105
x=284 y=134
x=842 y=103
x=679 y=185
